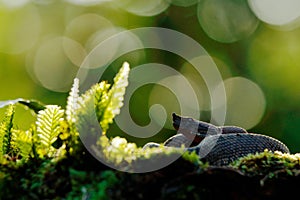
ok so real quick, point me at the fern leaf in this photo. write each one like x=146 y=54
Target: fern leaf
x=91 y=106
x=115 y=97
x=5 y=130
x=22 y=142
x=70 y=137
x=101 y=98
x=88 y=125
x=101 y=104
x=48 y=129
x=72 y=103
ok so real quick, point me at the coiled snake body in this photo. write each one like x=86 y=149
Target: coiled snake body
x=218 y=145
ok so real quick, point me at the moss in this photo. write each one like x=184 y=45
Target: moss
x=128 y=157
x=91 y=185
x=187 y=177
x=267 y=161
x=193 y=157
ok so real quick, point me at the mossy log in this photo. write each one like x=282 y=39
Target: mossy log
x=265 y=175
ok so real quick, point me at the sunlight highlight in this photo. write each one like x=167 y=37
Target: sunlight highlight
x=276 y=12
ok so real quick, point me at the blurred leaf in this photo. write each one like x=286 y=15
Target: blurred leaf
x=34 y=105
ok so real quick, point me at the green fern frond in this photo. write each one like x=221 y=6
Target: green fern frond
x=48 y=129
x=69 y=127
x=5 y=130
x=100 y=104
x=101 y=100
x=72 y=103
x=89 y=107
x=22 y=142
x=87 y=125
x=115 y=97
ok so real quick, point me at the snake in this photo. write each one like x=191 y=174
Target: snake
x=218 y=145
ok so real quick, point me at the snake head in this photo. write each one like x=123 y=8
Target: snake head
x=190 y=126
x=194 y=129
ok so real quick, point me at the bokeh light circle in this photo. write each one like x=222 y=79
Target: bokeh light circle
x=276 y=12
x=197 y=82
x=143 y=7
x=226 y=21
x=180 y=87
x=87 y=2
x=74 y=51
x=22 y=29
x=14 y=4
x=273 y=60
x=88 y=30
x=81 y=28
x=97 y=57
x=245 y=102
x=52 y=67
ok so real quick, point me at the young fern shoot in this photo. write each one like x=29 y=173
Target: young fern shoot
x=115 y=97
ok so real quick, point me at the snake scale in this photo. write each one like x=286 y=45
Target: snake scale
x=219 y=145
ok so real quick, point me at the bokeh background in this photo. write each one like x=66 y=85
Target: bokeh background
x=255 y=45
